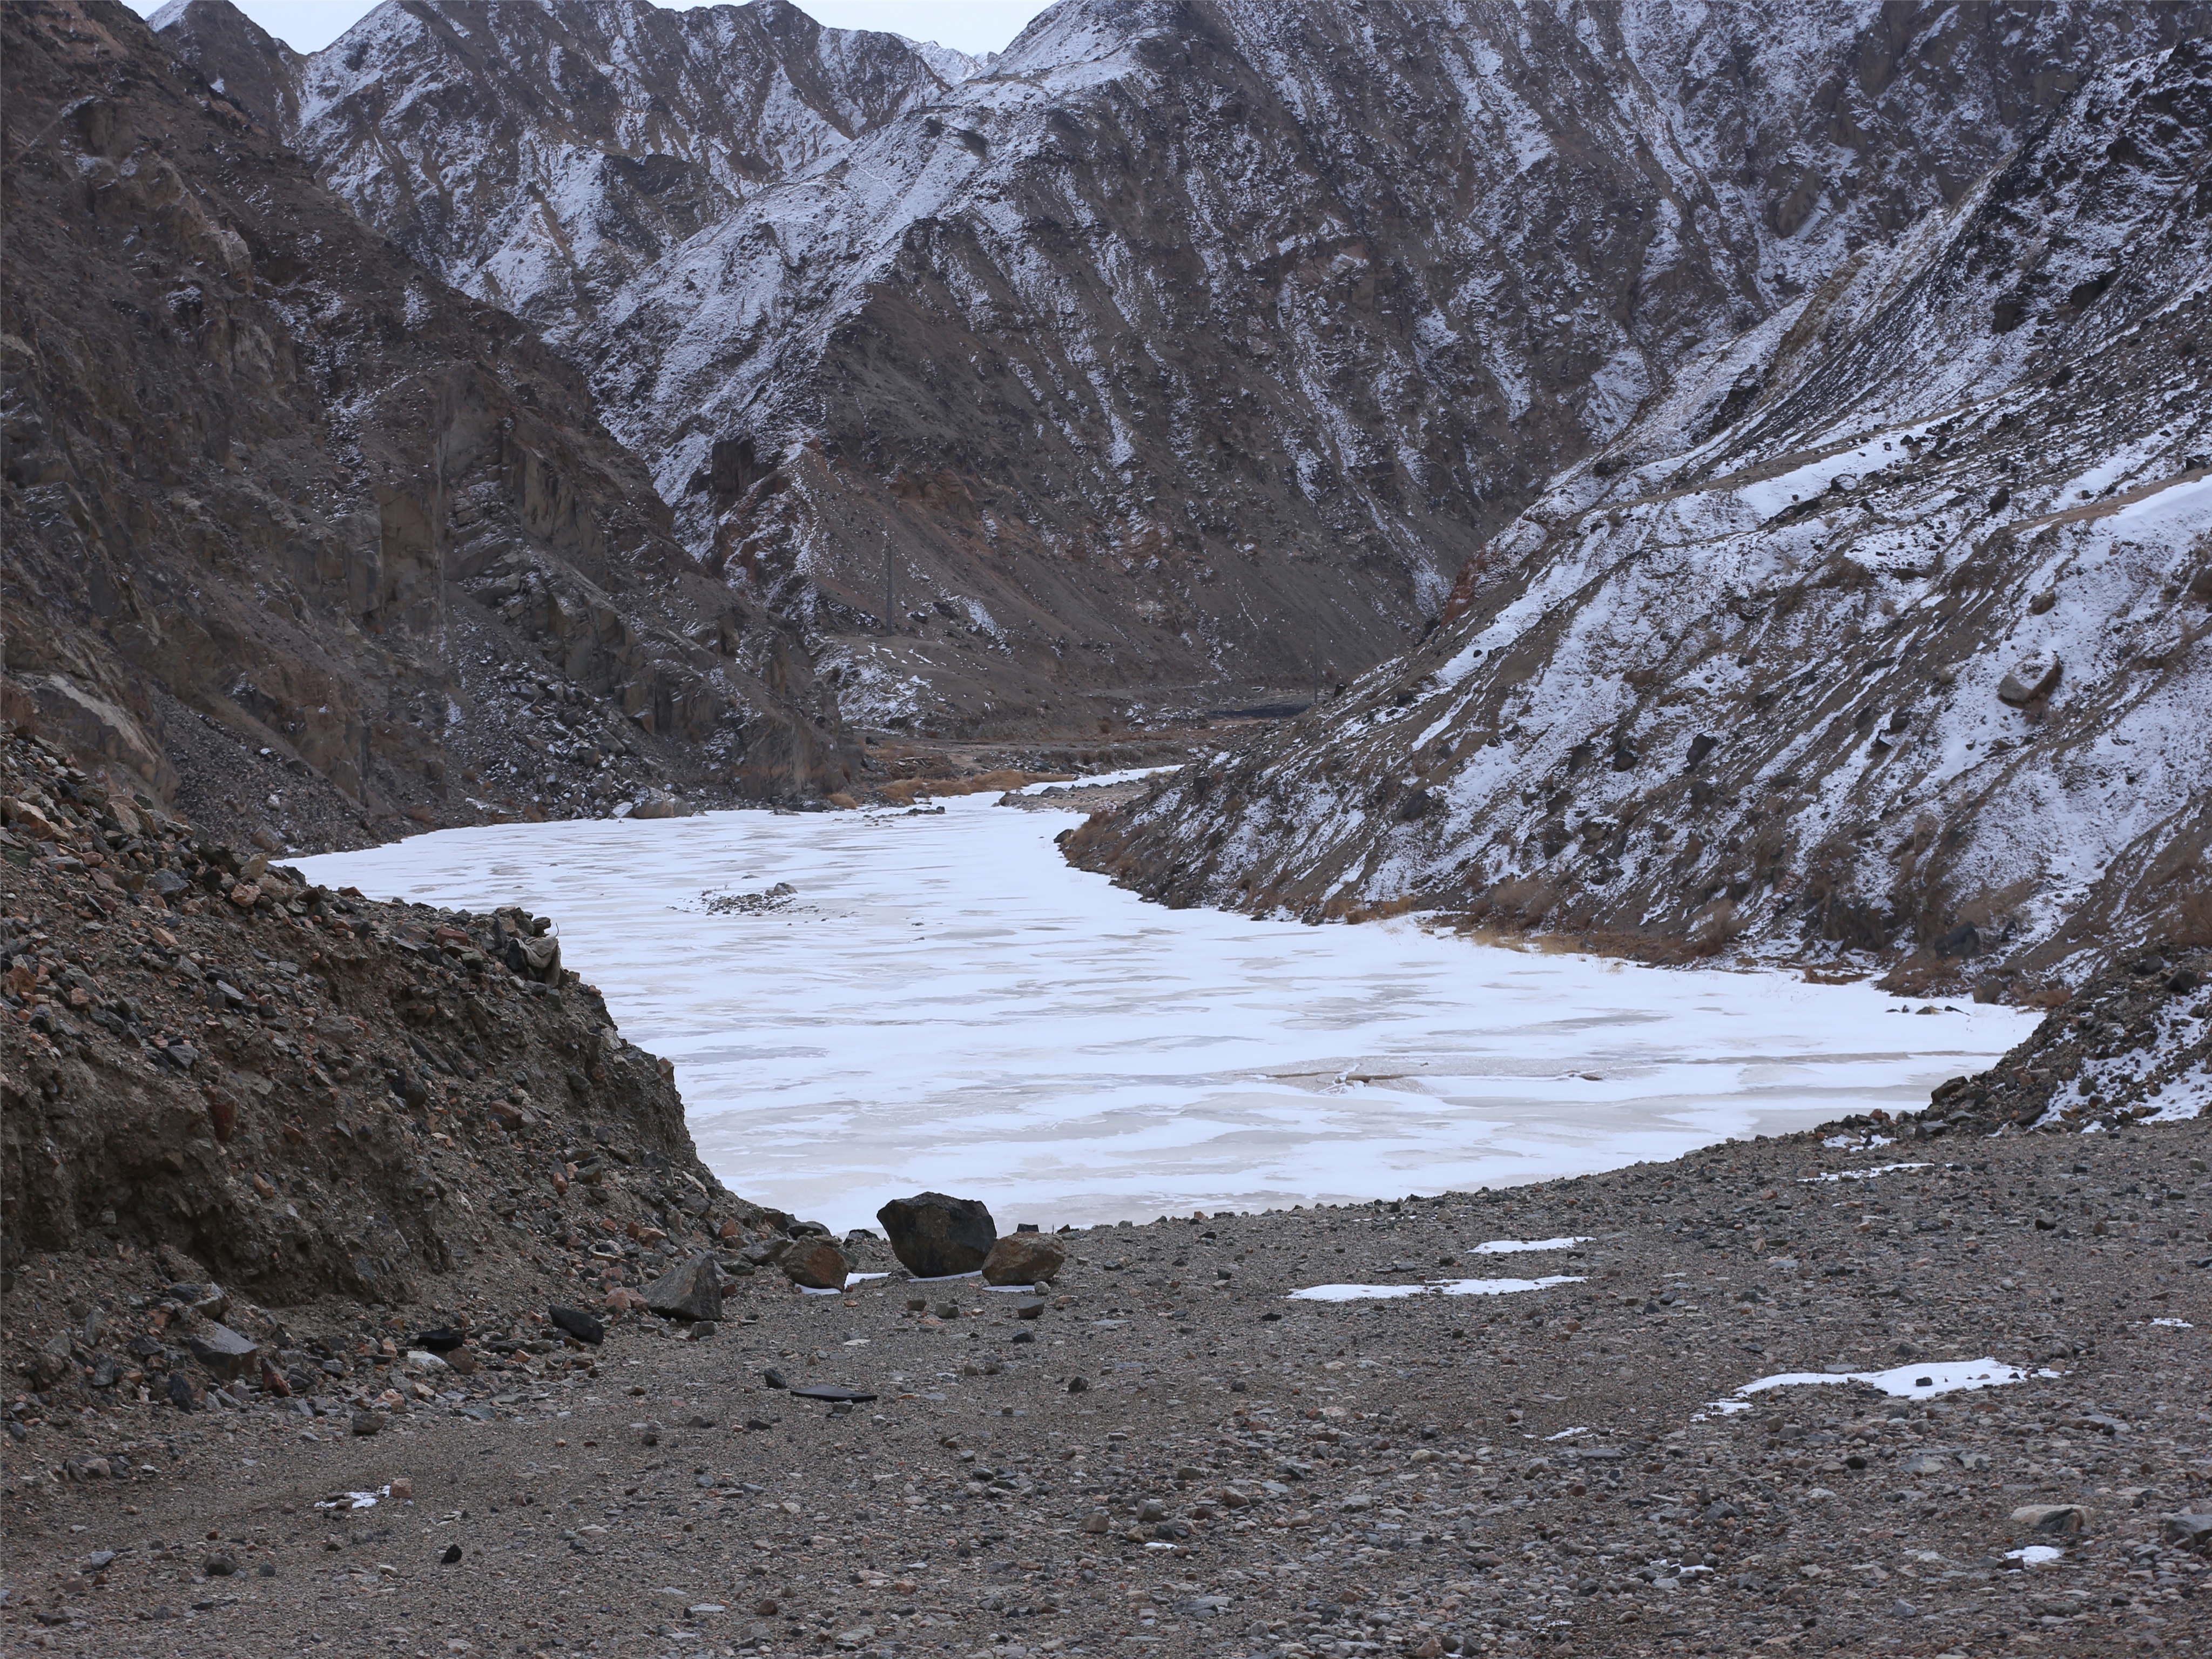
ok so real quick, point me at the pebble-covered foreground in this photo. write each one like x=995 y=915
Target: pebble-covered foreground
x=2011 y=1451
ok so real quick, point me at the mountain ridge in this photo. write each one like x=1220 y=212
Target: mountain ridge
x=1188 y=351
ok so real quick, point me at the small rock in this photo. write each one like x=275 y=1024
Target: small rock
x=815 y=1263
x=180 y=1392
x=1030 y=1307
x=452 y=1554
x=441 y=1341
x=2065 y=1518
x=774 y=1378
x=368 y=1422
x=832 y=1392
x=691 y=1290
x=1077 y=1385
x=2032 y=678
x=581 y=1325
x=219 y=1566
x=936 y=1236
x=402 y=1487
x=2191 y=1532
x=1024 y=1259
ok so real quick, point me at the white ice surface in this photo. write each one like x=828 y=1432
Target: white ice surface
x=2035 y=1555
x=946 y=1005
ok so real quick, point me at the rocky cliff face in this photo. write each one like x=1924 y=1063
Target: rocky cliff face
x=294 y=526
x=1882 y=641
x=1188 y=349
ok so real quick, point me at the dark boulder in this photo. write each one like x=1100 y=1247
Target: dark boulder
x=936 y=1236
x=577 y=1323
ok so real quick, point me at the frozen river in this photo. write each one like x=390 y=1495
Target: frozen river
x=942 y=1003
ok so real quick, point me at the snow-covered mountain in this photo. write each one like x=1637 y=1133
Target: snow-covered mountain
x=1183 y=349
x=537 y=153
x=1887 y=634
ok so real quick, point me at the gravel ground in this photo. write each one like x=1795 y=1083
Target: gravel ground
x=1541 y=1471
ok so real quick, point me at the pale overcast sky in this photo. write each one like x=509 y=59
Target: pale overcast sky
x=971 y=25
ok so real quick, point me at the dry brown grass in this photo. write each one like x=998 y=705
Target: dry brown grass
x=906 y=791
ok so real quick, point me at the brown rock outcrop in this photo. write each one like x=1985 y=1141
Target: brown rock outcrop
x=308 y=1095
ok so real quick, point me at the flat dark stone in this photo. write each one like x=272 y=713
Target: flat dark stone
x=831 y=1392
x=578 y=1323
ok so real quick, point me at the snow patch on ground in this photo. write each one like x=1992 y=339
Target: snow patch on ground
x=1433 y=1287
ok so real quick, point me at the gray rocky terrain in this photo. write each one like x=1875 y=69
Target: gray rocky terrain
x=1175 y=1456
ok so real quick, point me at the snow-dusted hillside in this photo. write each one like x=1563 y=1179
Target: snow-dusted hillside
x=535 y=153
x=1181 y=350
x=1885 y=634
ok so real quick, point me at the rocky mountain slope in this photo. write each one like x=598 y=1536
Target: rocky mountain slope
x=1883 y=641
x=295 y=528
x=1187 y=350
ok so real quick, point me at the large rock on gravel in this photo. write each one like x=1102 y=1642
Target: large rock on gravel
x=937 y=1236
x=224 y=1353
x=691 y=1290
x=1024 y=1259
x=2064 y=1519
x=814 y=1263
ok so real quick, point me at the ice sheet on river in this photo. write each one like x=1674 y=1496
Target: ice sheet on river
x=944 y=1004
